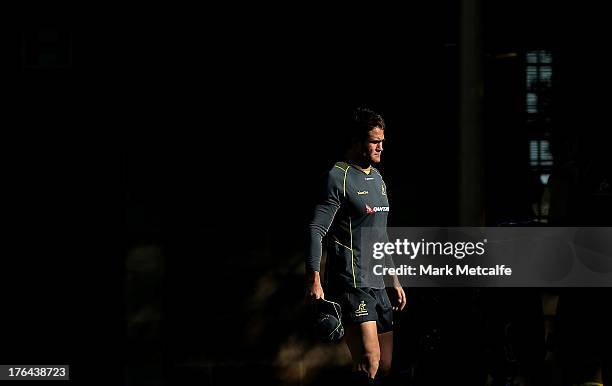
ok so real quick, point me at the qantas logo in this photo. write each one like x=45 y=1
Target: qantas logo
x=370 y=210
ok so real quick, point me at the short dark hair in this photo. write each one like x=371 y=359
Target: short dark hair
x=363 y=121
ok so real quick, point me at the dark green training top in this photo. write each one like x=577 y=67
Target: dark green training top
x=352 y=200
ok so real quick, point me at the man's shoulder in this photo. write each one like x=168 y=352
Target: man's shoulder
x=341 y=165
x=337 y=173
x=377 y=172
x=339 y=170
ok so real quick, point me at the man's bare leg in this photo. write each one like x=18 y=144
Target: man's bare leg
x=362 y=341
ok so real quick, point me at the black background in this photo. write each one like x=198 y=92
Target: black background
x=203 y=127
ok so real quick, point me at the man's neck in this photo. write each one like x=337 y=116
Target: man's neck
x=364 y=169
x=362 y=165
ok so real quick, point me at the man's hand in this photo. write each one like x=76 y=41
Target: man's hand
x=398 y=298
x=314 y=289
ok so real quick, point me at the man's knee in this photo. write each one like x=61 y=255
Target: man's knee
x=372 y=360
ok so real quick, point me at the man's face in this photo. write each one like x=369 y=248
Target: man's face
x=374 y=144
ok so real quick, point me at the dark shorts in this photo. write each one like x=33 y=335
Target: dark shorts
x=363 y=305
